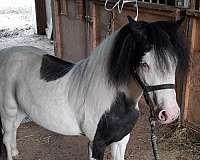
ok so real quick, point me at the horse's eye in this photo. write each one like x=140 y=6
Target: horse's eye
x=144 y=65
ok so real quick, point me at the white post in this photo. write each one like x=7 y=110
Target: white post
x=49 y=28
x=34 y=22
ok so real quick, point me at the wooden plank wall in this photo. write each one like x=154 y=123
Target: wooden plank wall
x=71 y=40
x=192 y=94
x=147 y=12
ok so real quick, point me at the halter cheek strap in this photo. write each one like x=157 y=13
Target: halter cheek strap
x=152 y=88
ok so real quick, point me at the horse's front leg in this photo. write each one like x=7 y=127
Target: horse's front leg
x=90 y=151
x=118 y=148
x=97 y=152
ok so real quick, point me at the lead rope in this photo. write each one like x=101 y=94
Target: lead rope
x=152 y=118
x=154 y=140
x=152 y=121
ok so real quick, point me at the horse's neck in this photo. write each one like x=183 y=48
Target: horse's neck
x=89 y=80
x=90 y=75
x=134 y=91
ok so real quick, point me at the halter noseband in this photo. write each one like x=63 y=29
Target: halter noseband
x=152 y=88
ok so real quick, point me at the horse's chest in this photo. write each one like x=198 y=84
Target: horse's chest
x=115 y=124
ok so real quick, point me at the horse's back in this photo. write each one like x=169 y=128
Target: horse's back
x=20 y=52
x=18 y=56
x=44 y=101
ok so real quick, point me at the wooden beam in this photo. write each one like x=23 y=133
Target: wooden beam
x=195 y=39
x=81 y=9
x=193 y=13
x=64 y=7
x=192 y=4
x=57 y=28
x=41 y=18
x=96 y=28
x=186 y=97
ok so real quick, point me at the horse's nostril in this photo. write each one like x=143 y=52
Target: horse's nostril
x=162 y=115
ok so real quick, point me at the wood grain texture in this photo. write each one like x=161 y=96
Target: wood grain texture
x=40 y=10
x=58 y=28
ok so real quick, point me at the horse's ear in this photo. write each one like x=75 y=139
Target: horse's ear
x=134 y=25
x=179 y=22
x=131 y=20
x=168 y=26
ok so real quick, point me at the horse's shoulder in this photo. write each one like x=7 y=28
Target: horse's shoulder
x=53 y=68
x=115 y=123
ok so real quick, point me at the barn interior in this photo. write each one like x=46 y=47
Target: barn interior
x=57 y=26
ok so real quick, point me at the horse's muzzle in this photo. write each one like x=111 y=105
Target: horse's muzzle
x=168 y=114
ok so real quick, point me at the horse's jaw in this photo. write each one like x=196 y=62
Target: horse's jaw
x=134 y=91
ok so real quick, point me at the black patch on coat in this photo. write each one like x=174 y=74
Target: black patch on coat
x=114 y=125
x=53 y=68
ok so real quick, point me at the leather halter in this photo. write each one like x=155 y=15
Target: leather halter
x=147 y=89
x=152 y=118
x=152 y=88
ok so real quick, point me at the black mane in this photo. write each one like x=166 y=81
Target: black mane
x=168 y=43
x=134 y=40
x=126 y=55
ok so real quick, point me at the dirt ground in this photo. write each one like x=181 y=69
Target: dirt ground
x=36 y=143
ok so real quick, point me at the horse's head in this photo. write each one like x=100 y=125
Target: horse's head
x=158 y=66
x=153 y=51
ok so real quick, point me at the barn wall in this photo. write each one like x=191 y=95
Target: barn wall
x=146 y=13
x=192 y=102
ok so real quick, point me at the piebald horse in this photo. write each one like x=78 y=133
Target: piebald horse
x=98 y=96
